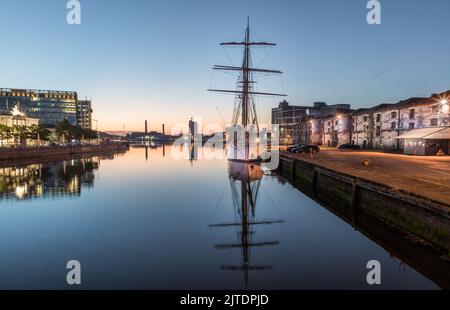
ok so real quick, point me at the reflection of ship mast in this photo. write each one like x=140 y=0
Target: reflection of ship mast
x=245 y=180
x=246 y=109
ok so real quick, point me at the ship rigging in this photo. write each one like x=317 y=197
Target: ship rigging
x=244 y=114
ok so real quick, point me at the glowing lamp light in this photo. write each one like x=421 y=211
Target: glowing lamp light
x=445 y=107
x=15 y=112
x=21 y=191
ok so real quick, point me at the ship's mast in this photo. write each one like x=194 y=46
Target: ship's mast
x=245 y=71
x=246 y=92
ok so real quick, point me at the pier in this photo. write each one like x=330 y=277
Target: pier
x=23 y=153
x=342 y=181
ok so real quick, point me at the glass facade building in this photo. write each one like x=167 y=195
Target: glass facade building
x=50 y=107
x=84 y=114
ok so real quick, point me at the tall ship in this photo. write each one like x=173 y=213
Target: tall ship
x=244 y=170
x=245 y=145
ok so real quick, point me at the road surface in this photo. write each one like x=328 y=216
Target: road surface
x=427 y=176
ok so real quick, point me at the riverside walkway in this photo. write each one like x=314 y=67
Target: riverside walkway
x=425 y=176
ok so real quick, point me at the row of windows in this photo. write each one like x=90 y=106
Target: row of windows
x=35 y=95
x=26 y=103
x=411 y=115
x=433 y=123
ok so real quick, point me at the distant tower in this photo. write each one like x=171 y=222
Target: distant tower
x=193 y=127
x=163 y=130
x=146 y=128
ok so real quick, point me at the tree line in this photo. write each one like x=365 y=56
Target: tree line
x=69 y=131
x=64 y=130
x=22 y=133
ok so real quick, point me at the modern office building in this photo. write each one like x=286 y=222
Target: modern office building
x=288 y=117
x=48 y=106
x=295 y=121
x=84 y=114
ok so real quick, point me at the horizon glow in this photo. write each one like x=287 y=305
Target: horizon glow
x=152 y=60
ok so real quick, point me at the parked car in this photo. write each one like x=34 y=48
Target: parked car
x=307 y=149
x=348 y=146
x=290 y=149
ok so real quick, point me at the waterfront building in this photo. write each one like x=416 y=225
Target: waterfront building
x=316 y=125
x=12 y=119
x=362 y=125
x=367 y=130
x=84 y=114
x=50 y=107
x=303 y=133
x=337 y=129
x=387 y=126
x=288 y=118
x=426 y=141
x=295 y=121
x=382 y=127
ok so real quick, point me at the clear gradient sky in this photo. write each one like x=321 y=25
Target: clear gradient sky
x=152 y=59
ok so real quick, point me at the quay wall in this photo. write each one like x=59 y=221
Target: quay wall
x=347 y=194
x=55 y=151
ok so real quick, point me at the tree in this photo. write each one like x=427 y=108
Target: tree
x=21 y=134
x=90 y=134
x=63 y=128
x=38 y=132
x=70 y=131
x=5 y=133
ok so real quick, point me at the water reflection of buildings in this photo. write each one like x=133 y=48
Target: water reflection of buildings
x=49 y=180
x=245 y=181
x=193 y=153
x=150 y=145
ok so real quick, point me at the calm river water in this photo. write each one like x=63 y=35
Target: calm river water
x=152 y=222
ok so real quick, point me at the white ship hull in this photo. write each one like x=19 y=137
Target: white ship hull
x=246 y=153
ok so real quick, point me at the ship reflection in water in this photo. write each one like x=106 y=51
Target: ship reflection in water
x=245 y=181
